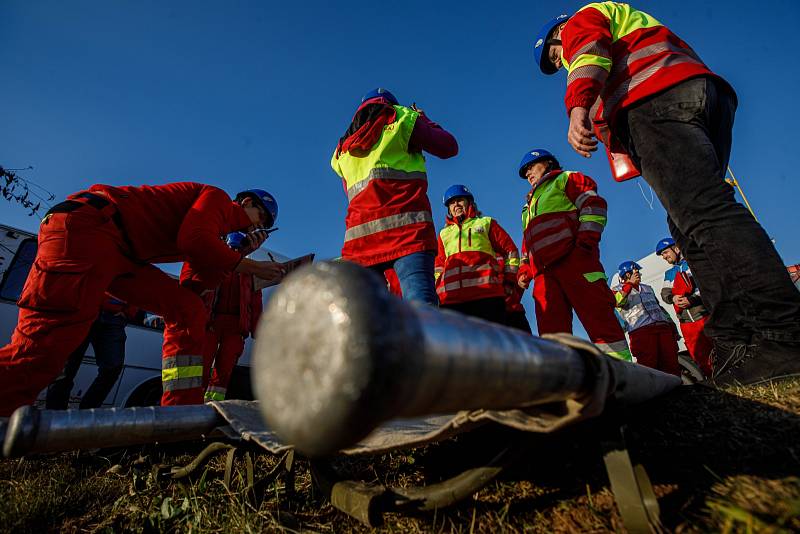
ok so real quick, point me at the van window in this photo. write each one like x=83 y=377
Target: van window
x=14 y=278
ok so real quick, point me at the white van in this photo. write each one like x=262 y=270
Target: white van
x=139 y=383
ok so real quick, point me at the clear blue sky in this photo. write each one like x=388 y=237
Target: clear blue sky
x=256 y=94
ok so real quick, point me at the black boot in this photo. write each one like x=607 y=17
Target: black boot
x=763 y=361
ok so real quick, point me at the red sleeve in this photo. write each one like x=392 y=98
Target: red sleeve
x=212 y=215
x=587 y=32
x=582 y=191
x=501 y=241
x=504 y=245
x=438 y=264
x=432 y=138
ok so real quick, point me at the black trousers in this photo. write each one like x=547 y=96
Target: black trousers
x=492 y=309
x=681 y=141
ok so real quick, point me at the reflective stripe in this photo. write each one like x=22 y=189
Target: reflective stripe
x=599 y=219
x=184 y=371
x=175 y=373
x=387 y=223
x=627 y=60
x=590 y=59
x=466 y=269
x=512 y=262
x=595 y=48
x=181 y=360
x=595 y=276
x=549 y=240
x=617 y=349
x=472 y=282
x=539 y=227
x=215 y=393
x=594 y=210
x=383 y=173
x=590 y=226
x=593 y=72
x=583 y=197
x=610 y=102
x=182 y=383
x=438 y=270
x=469 y=282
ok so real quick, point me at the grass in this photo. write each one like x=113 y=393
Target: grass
x=719 y=462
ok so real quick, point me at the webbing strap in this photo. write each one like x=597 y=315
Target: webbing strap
x=630 y=484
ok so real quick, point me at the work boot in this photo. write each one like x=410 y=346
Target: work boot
x=763 y=361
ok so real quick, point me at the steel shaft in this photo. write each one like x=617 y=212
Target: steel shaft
x=31 y=431
x=336 y=355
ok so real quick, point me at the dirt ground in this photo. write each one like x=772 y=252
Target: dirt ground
x=718 y=461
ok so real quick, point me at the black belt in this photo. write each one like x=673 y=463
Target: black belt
x=96 y=201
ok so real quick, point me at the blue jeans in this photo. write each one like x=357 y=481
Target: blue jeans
x=415 y=273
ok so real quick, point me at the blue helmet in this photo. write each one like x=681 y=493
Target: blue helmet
x=543 y=42
x=537 y=154
x=628 y=266
x=268 y=202
x=455 y=191
x=236 y=240
x=664 y=244
x=379 y=92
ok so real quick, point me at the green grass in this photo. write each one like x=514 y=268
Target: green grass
x=719 y=462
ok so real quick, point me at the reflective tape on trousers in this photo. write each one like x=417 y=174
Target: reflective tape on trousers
x=181 y=360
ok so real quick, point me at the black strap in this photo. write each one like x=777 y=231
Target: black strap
x=64 y=207
x=95 y=201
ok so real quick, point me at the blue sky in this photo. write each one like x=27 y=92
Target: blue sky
x=256 y=94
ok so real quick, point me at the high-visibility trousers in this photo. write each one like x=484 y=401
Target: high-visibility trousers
x=577 y=282
x=698 y=344
x=223 y=346
x=80 y=257
x=655 y=346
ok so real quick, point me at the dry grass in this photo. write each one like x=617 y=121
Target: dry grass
x=719 y=461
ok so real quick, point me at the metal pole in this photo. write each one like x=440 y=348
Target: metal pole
x=30 y=430
x=735 y=183
x=336 y=355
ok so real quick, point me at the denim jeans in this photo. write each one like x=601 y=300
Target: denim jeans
x=107 y=337
x=681 y=141
x=415 y=273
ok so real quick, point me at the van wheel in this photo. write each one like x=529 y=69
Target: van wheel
x=690 y=372
x=148 y=394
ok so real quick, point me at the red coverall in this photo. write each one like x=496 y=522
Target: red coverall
x=563 y=220
x=236 y=308
x=105 y=239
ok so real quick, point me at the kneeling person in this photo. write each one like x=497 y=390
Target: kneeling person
x=469 y=277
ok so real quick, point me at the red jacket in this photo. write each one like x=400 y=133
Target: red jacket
x=562 y=209
x=643 y=62
x=177 y=222
x=226 y=294
x=475 y=266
